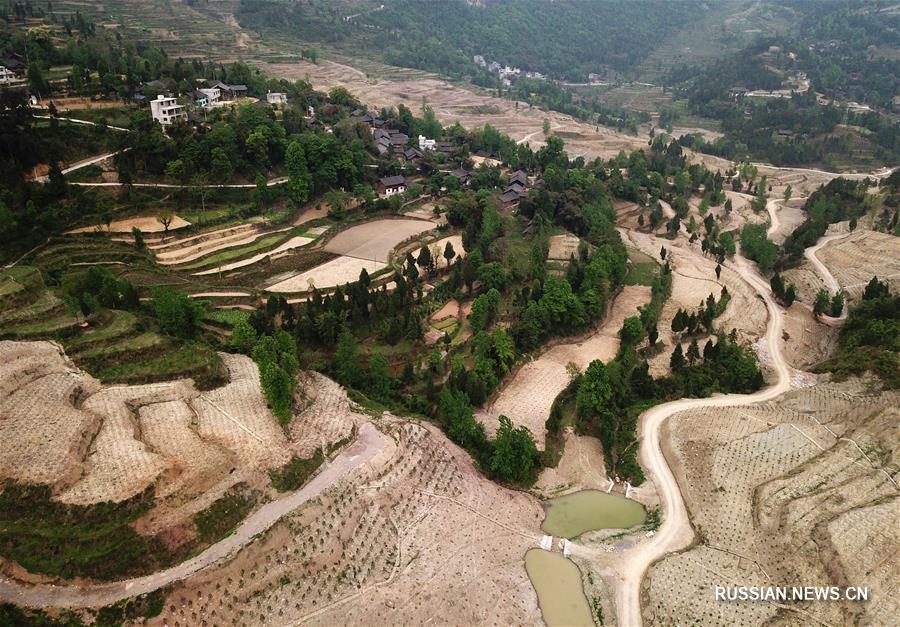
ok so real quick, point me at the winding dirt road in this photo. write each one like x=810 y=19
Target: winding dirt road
x=675 y=532
x=810 y=253
x=368 y=444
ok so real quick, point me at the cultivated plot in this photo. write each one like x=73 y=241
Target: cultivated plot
x=374 y=241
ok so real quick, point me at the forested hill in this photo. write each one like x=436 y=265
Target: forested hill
x=566 y=39
x=847 y=50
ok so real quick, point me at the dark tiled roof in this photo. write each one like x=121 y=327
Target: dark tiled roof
x=519 y=176
x=393 y=181
x=509 y=196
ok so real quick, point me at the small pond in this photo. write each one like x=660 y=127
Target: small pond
x=574 y=514
x=557 y=582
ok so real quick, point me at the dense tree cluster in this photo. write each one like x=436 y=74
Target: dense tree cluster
x=870 y=338
x=838 y=200
x=564 y=39
x=97 y=288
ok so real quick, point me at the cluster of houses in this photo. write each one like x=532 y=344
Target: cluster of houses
x=394 y=143
x=506 y=73
x=12 y=71
x=166 y=110
x=517 y=189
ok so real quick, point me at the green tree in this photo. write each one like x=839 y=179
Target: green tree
x=299 y=178
x=676 y=361
x=425 y=260
x=220 y=166
x=837 y=305
x=346 y=359
x=243 y=337
x=277 y=386
x=449 y=253
x=595 y=390
x=821 y=304
x=138 y=238
x=515 y=453
x=177 y=313
x=632 y=331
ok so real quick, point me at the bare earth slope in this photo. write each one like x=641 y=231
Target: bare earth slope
x=794 y=493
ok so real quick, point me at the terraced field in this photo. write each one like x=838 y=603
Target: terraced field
x=817 y=463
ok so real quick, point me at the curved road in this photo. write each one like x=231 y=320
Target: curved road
x=675 y=532
x=368 y=444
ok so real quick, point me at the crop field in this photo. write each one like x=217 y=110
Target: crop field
x=374 y=241
x=294 y=242
x=329 y=274
x=773 y=490
x=562 y=247
x=147 y=224
x=527 y=397
x=417 y=534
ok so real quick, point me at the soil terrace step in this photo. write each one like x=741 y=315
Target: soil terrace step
x=199 y=238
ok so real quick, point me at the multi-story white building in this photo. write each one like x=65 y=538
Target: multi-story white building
x=276 y=97
x=7 y=76
x=213 y=95
x=425 y=143
x=166 y=110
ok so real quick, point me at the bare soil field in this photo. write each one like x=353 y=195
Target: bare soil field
x=329 y=274
x=805 y=341
x=329 y=417
x=562 y=247
x=94 y=443
x=147 y=224
x=526 y=398
x=790 y=215
x=580 y=468
x=415 y=536
x=437 y=250
x=452 y=103
x=374 y=241
x=44 y=434
x=784 y=493
x=852 y=261
x=855 y=259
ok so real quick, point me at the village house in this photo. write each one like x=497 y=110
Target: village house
x=460 y=175
x=166 y=110
x=212 y=95
x=411 y=154
x=7 y=76
x=230 y=92
x=391 y=185
x=444 y=147
x=398 y=140
x=276 y=98
x=425 y=143
x=516 y=190
x=364 y=118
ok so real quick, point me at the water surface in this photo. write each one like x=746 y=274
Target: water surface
x=572 y=515
x=557 y=582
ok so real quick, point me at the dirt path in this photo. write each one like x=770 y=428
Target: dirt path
x=270 y=183
x=369 y=443
x=676 y=532
x=810 y=253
